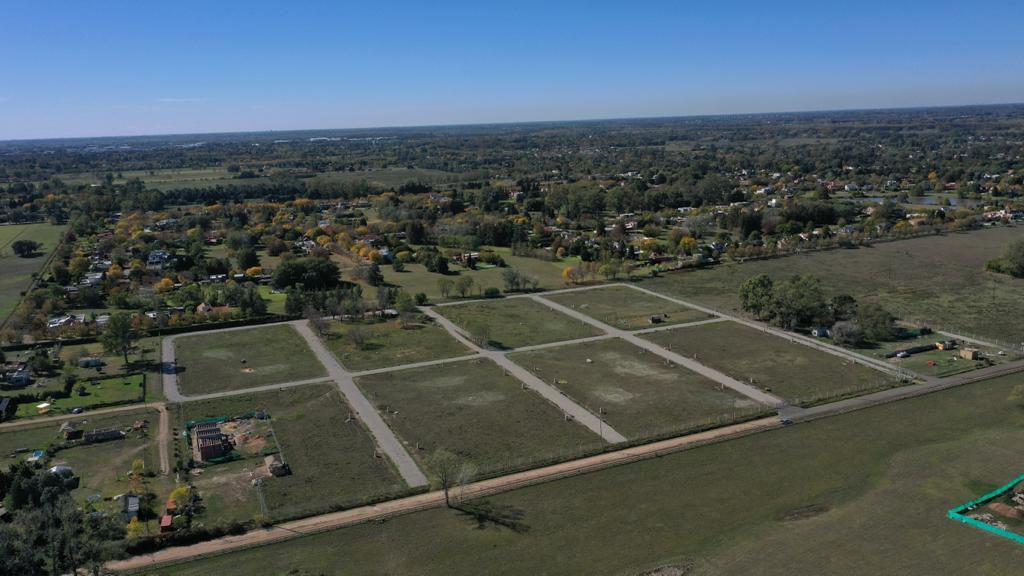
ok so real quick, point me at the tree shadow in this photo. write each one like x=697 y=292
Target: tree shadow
x=487 y=514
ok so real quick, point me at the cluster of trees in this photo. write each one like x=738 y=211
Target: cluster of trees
x=49 y=534
x=1011 y=262
x=800 y=302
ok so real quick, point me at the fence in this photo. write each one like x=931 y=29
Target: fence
x=958 y=512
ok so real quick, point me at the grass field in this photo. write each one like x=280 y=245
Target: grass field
x=476 y=411
x=169 y=178
x=863 y=493
x=940 y=280
x=332 y=460
x=388 y=344
x=17 y=272
x=626 y=308
x=212 y=362
x=793 y=371
x=515 y=322
x=116 y=390
x=389 y=177
x=636 y=392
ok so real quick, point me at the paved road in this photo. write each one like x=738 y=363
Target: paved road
x=744 y=389
x=334 y=520
x=552 y=394
x=386 y=439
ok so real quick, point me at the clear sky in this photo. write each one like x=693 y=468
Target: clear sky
x=71 y=68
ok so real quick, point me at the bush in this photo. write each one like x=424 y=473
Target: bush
x=492 y=292
x=421 y=299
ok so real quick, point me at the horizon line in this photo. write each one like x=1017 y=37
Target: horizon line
x=510 y=123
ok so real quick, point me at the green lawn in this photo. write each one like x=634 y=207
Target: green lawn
x=275 y=300
x=938 y=280
x=863 y=493
x=476 y=411
x=212 y=362
x=515 y=322
x=626 y=308
x=104 y=392
x=388 y=344
x=17 y=272
x=332 y=460
x=794 y=371
x=636 y=392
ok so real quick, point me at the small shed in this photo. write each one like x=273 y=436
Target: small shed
x=970 y=353
x=821 y=332
x=276 y=466
x=166 y=523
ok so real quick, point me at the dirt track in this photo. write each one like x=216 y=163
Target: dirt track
x=324 y=522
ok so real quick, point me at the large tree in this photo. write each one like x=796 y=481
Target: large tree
x=878 y=324
x=312 y=273
x=25 y=248
x=756 y=295
x=800 y=301
x=118 y=336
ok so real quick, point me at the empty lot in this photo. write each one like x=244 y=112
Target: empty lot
x=238 y=359
x=476 y=411
x=788 y=369
x=515 y=322
x=638 y=393
x=626 y=308
x=386 y=344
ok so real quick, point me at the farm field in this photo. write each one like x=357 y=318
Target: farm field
x=869 y=488
x=389 y=177
x=636 y=392
x=104 y=392
x=388 y=344
x=17 y=272
x=794 y=371
x=901 y=275
x=332 y=460
x=102 y=467
x=169 y=178
x=515 y=322
x=477 y=412
x=626 y=308
x=212 y=362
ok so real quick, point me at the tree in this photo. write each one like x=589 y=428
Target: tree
x=358 y=337
x=1012 y=261
x=878 y=324
x=757 y=295
x=312 y=273
x=397 y=265
x=315 y=318
x=25 y=248
x=247 y=258
x=118 y=336
x=445 y=285
x=463 y=285
x=446 y=468
x=847 y=333
x=406 y=308
x=844 y=307
x=800 y=301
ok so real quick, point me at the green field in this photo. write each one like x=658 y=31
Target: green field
x=212 y=362
x=389 y=177
x=515 y=322
x=626 y=308
x=388 y=344
x=104 y=392
x=794 y=371
x=476 y=411
x=938 y=280
x=863 y=493
x=169 y=178
x=636 y=392
x=17 y=272
x=332 y=460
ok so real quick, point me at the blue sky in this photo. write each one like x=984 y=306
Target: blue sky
x=73 y=68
